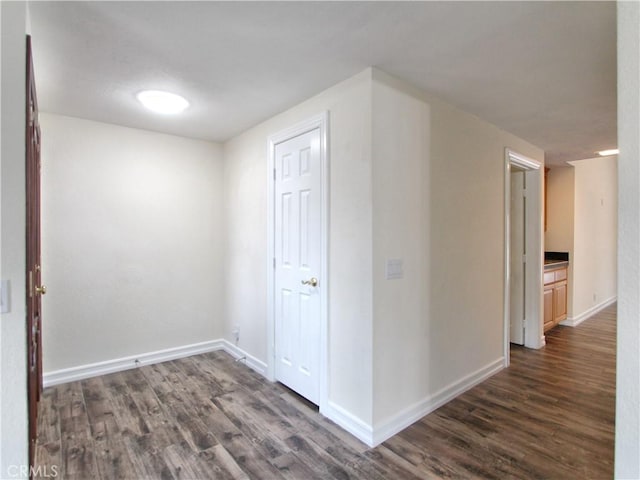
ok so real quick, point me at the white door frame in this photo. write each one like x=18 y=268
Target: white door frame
x=320 y=121
x=533 y=337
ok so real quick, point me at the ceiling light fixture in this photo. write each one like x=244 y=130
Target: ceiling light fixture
x=162 y=102
x=605 y=153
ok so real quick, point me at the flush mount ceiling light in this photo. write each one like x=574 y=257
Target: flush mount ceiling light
x=162 y=102
x=613 y=151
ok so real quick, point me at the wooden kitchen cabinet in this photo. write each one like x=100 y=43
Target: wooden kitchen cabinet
x=548 y=308
x=555 y=296
x=560 y=302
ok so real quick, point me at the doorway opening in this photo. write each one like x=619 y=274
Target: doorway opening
x=523 y=255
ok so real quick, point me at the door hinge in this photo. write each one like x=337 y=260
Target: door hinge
x=274 y=174
x=524 y=258
x=274 y=262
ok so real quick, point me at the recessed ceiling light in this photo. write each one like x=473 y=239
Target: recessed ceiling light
x=613 y=151
x=162 y=102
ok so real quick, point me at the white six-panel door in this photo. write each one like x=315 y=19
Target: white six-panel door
x=297 y=263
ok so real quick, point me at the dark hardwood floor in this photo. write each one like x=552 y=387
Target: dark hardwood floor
x=550 y=415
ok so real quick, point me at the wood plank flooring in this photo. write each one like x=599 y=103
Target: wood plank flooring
x=550 y=415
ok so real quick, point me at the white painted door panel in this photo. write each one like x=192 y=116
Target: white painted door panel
x=297 y=260
x=517 y=265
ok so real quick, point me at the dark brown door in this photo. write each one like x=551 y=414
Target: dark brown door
x=35 y=290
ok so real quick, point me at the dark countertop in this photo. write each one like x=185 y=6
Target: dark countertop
x=553 y=260
x=553 y=264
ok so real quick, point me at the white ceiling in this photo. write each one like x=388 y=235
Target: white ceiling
x=545 y=71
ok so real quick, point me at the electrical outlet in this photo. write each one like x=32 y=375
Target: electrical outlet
x=236 y=335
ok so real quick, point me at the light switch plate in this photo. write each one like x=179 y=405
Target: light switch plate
x=4 y=297
x=394 y=269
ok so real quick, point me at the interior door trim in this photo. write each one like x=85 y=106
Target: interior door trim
x=533 y=337
x=321 y=122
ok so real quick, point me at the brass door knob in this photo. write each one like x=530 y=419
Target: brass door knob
x=42 y=290
x=312 y=282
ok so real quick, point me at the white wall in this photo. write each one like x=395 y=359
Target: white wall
x=466 y=314
x=438 y=203
x=560 y=220
x=595 y=234
x=350 y=245
x=400 y=231
x=132 y=241
x=13 y=355
x=627 y=462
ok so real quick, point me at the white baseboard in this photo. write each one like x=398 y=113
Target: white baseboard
x=349 y=422
x=126 y=363
x=352 y=424
x=398 y=422
x=577 y=320
x=249 y=360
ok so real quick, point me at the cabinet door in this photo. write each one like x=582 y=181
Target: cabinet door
x=559 y=302
x=548 y=308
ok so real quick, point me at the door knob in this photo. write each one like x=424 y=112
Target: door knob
x=42 y=290
x=312 y=282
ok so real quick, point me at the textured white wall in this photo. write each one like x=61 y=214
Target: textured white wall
x=466 y=315
x=595 y=223
x=628 y=368
x=13 y=355
x=132 y=241
x=401 y=187
x=350 y=287
x=439 y=205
